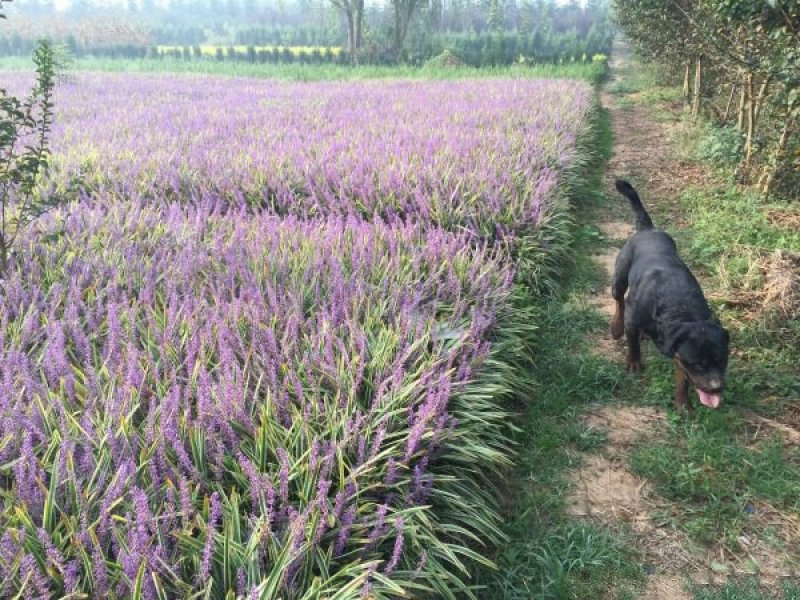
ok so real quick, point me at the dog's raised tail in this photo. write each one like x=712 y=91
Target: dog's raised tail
x=643 y=220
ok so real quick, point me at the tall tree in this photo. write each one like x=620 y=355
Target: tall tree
x=496 y=17
x=353 y=11
x=436 y=15
x=403 y=13
x=526 y=17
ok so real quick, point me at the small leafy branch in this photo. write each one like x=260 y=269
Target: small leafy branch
x=24 y=151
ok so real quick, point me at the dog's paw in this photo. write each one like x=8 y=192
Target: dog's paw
x=682 y=404
x=635 y=366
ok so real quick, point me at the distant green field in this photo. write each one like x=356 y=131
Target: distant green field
x=299 y=72
x=211 y=51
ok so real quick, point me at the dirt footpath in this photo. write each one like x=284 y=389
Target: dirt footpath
x=604 y=487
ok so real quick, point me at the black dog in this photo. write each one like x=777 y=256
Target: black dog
x=665 y=303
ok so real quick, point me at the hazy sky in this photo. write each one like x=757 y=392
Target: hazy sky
x=63 y=4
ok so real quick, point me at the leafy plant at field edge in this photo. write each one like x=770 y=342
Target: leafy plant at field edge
x=21 y=120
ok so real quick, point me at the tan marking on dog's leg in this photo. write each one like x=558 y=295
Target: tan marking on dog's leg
x=681 y=388
x=635 y=364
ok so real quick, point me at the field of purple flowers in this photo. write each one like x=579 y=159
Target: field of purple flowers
x=264 y=355
x=477 y=154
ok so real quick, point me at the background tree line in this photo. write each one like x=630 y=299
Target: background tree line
x=739 y=61
x=477 y=32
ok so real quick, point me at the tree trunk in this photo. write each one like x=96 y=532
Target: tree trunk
x=351 y=36
x=728 y=106
x=771 y=170
x=742 y=99
x=399 y=27
x=353 y=11
x=697 y=86
x=686 y=92
x=762 y=93
x=359 y=23
x=751 y=122
x=403 y=12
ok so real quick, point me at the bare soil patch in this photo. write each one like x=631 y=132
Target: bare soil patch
x=784 y=218
x=604 y=489
x=665 y=587
x=626 y=425
x=607 y=491
x=615 y=230
x=790 y=430
x=770 y=556
x=791 y=418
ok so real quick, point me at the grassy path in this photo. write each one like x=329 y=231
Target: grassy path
x=616 y=495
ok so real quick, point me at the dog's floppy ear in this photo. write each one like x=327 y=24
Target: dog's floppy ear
x=723 y=333
x=674 y=337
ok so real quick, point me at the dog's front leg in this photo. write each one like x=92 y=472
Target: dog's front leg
x=635 y=364
x=681 y=388
x=619 y=285
x=618 y=322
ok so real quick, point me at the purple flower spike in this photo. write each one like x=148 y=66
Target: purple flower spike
x=213 y=519
x=397 y=551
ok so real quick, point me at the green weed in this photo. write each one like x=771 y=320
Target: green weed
x=720 y=146
x=574 y=560
x=585 y=437
x=622 y=86
x=550 y=556
x=732 y=221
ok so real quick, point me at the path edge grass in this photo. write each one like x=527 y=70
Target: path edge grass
x=545 y=553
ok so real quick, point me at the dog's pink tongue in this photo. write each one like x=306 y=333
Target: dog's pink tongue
x=710 y=400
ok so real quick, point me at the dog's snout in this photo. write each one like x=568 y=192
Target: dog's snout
x=713 y=385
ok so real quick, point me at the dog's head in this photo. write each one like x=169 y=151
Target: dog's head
x=702 y=352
